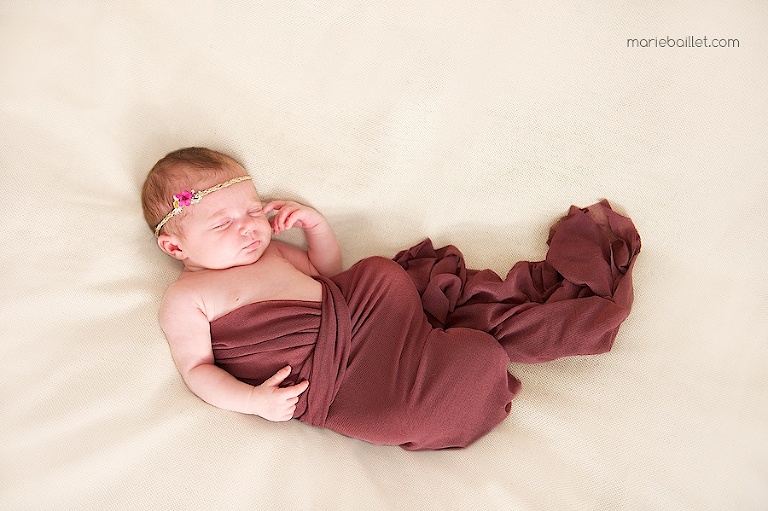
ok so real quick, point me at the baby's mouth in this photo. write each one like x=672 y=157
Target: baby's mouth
x=253 y=245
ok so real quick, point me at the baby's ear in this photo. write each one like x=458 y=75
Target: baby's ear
x=170 y=245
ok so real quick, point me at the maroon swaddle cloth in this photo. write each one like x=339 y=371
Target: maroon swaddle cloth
x=414 y=351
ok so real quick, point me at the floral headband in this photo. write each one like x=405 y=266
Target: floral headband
x=189 y=197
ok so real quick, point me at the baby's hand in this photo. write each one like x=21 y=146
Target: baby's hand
x=292 y=214
x=276 y=403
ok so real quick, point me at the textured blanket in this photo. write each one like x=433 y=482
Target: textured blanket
x=414 y=351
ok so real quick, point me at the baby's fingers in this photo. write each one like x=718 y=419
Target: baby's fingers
x=295 y=390
x=285 y=416
x=277 y=378
x=289 y=407
x=284 y=219
x=291 y=218
x=278 y=221
x=274 y=205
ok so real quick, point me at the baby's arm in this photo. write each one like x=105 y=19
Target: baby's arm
x=188 y=333
x=323 y=251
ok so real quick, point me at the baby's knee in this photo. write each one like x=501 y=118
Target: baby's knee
x=386 y=271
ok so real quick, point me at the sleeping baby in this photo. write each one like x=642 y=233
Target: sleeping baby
x=411 y=351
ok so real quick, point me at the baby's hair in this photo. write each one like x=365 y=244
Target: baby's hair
x=191 y=168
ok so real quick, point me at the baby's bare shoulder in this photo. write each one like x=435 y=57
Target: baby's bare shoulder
x=181 y=300
x=180 y=291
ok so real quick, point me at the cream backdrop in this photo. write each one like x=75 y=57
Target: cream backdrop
x=474 y=123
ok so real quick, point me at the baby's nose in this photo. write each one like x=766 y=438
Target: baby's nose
x=248 y=225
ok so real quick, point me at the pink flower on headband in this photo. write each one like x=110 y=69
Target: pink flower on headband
x=184 y=198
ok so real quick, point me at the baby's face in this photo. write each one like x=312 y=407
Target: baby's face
x=226 y=228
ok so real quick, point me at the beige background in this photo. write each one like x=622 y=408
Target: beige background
x=475 y=123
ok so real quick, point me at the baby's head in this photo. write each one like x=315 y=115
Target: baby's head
x=204 y=209
x=191 y=168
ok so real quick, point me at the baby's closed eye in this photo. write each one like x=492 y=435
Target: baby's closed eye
x=222 y=224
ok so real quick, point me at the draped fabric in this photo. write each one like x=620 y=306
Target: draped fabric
x=414 y=351
x=572 y=303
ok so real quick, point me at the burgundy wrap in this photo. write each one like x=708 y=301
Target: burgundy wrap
x=414 y=352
